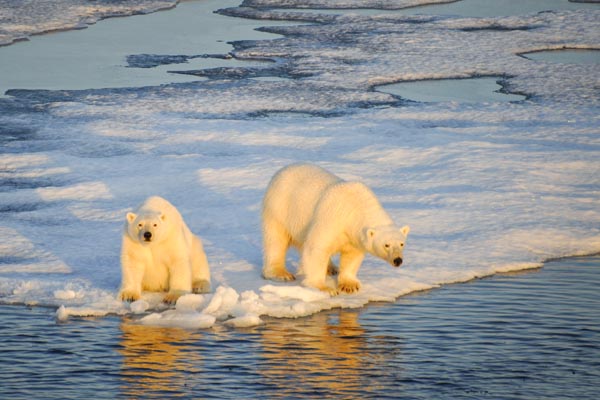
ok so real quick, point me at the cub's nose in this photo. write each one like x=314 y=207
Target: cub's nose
x=148 y=235
x=397 y=261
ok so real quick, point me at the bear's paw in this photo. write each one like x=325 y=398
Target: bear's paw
x=279 y=275
x=332 y=269
x=129 y=295
x=349 y=286
x=201 y=286
x=172 y=296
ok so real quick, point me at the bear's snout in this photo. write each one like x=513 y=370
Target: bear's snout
x=397 y=261
x=147 y=236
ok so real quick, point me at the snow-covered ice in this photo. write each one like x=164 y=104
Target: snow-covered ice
x=486 y=187
x=21 y=19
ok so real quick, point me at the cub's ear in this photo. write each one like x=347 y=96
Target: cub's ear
x=131 y=217
x=163 y=217
x=405 y=229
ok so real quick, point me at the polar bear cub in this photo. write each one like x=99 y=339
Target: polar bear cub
x=321 y=215
x=160 y=253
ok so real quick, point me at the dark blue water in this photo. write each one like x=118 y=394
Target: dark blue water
x=533 y=335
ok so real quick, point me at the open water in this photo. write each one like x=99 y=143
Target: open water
x=531 y=335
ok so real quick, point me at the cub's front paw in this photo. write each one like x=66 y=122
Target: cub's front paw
x=129 y=295
x=172 y=296
x=201 y=286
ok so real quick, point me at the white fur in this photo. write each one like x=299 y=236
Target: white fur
x=321 y=215
x=170 y=259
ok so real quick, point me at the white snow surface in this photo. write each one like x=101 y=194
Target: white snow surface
x=485 y=187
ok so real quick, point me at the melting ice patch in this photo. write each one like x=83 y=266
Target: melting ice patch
x=566 y=56
x=472 y=90
x=132 y=52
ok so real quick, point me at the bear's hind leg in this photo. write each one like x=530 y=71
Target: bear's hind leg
x=332 y=269
x=276 y=241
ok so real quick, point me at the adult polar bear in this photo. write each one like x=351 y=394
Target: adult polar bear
x=321 y=215
x=160 y=253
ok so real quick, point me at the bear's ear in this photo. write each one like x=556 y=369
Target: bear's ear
x=368 y=234
x=131 y=217
x=163 y=217
x=405 y=229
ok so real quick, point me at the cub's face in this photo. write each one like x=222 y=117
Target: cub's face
x=146 y=228
x=387 y=243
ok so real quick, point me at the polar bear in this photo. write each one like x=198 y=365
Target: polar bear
x=321 y=215
x=160 y=253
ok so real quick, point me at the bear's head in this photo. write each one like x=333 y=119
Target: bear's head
x=386 y=242
x=147 y=228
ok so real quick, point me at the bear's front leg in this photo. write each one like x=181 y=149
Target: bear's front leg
x=314 y=263
x=132 y=274
x=350 y=261
x=180 y=280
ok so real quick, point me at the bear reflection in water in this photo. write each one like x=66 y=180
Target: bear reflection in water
x=327 y=354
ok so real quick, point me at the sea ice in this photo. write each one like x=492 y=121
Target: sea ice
x=222 y=302
x=139 y=306
x=173 y=318
x=189 y=302
x=485 y=187
x=295 y=292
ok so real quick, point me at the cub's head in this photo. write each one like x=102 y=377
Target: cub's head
x=386 y=242
x=147 y=228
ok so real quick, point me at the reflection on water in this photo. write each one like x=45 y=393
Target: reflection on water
x=302 y=357
x=156 y=361
x=328 y=355
x=309 y=351
x=469 y=90
x=520 y=336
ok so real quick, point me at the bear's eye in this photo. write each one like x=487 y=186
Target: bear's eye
x=387 y=246
x=140 y=225
x=155 y=225
x=401 y=244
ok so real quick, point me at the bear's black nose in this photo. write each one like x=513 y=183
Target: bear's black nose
x=148 y=236
x=397 y=261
